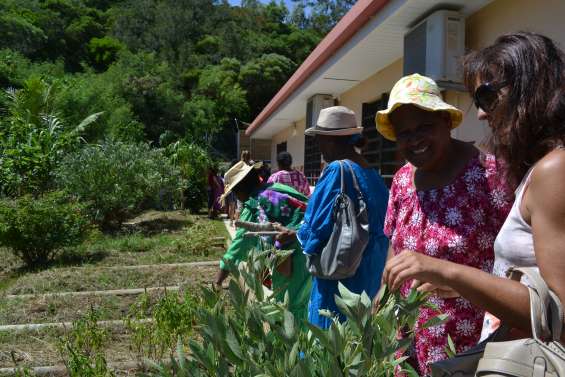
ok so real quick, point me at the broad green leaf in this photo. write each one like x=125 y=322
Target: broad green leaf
x=435 y=321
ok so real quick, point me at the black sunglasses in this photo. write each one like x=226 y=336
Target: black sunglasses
x=486 y=95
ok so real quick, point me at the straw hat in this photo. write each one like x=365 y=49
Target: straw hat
x=236 y=175
x=335 y=121
x=417 y=90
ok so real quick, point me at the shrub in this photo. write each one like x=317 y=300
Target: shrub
x=193 y=162
x=238 y=335
x=33 y=139
x=35 y=228
x=117 y=180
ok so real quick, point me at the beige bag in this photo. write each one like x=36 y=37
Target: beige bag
x=540 y=356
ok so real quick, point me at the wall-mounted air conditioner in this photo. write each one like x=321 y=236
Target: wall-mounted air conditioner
x=316 y=103
x=434 y=47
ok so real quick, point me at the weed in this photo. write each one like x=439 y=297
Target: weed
x=173 y=317
x=83 y=348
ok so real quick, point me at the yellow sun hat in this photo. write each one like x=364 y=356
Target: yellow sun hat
x=417 y=90
x=235 y=175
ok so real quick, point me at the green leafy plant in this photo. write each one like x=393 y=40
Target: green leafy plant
x=117 y=179
x=247 y=333
x=33 y=139
x=173 y=318
x=36 y=228
x=193 y=162
x=82 y=348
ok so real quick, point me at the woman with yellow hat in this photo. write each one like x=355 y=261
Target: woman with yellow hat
x=268 y=203
x=448 y=201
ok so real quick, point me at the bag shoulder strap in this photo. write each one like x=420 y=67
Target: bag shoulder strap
x=355 y=182
x=541 y=298
x=341 y=176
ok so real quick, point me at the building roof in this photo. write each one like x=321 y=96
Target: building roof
x=367 y=39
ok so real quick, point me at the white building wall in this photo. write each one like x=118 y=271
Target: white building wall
x=294 y=136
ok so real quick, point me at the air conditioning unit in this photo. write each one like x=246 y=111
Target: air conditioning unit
x=316 y=103
x=434 y=47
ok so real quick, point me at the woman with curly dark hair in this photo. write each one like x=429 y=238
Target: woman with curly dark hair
x=518 y=86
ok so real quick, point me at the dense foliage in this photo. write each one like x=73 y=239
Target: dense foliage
x=33 y=139
x=247 y=333
x=36 y=228
x=117 y=180
x=155 y=66
x=119 y=102
x=193 y=162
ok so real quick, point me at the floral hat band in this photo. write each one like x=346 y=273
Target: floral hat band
x=417 y=90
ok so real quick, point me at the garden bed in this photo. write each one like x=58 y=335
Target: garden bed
x=73 y=288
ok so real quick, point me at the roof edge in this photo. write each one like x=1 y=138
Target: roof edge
x=355 y=19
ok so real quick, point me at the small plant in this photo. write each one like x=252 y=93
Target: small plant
x=173 y=318
x=36 y=228
x=83 y=348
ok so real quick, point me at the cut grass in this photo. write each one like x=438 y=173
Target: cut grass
x=31 y=350
x=75 y=280
x=67 y=308
x=201 y=240
x=196 y=241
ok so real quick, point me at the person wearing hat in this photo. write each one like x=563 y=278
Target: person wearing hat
x=267 y=203
x=448 y=201
x=338 y=136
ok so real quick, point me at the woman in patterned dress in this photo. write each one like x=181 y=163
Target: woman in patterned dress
x=447 y=202
x=518 y=88
x=268 y=203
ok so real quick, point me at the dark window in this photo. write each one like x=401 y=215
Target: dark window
x=381 y=153
x=281 y=147
x=312 y=159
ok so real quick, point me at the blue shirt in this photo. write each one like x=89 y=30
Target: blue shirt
x=317 y=228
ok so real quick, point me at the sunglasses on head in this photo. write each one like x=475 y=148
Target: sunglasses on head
x=486 y=95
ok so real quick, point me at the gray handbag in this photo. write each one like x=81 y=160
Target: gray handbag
x=343 y=252
x=539 y=356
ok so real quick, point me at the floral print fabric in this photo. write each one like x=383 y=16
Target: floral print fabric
x=458 y=223
x=282 y=204
x=293 y=178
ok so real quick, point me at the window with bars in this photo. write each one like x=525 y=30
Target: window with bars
x=312 y=160
x=381 y=153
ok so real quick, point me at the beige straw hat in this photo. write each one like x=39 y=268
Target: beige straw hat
x=417 y=90
x=335 y=121
x=236 y=175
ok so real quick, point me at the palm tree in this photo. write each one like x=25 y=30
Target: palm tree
x=33 y=138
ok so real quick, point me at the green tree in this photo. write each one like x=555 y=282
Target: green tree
x=33 y=139
x=262 y=78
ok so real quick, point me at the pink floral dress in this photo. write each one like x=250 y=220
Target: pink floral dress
x=459 y=223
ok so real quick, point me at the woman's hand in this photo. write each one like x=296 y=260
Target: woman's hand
x=412 y=265
x=285 y=235
x=442 y=291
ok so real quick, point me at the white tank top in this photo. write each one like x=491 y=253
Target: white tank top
x=513 y=246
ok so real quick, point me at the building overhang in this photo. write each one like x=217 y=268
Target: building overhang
x=366 y=40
